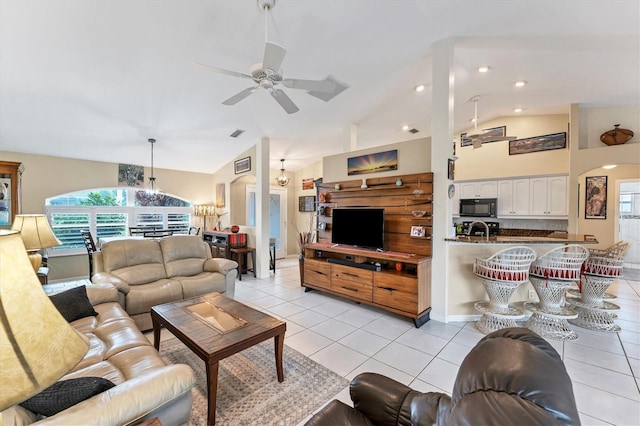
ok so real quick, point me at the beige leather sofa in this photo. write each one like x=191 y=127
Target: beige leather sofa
x=149 y=272
x=146 y=386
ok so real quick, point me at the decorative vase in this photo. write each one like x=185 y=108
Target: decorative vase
x=399 y=182
x=364 y=183
x=234 y=228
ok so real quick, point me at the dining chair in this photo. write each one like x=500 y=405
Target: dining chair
x=90 y=245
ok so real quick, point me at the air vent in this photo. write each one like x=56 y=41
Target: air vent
x=413 y=131
x=236 y=133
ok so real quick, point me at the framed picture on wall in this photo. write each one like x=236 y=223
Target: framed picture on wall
x=307 y=203
x=243 y=165
x=595 y=206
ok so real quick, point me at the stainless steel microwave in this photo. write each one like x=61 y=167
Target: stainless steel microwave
x=479 y=207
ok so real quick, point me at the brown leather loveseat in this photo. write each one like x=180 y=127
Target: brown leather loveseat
x=511 y=377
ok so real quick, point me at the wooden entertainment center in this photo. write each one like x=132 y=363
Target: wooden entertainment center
x=397 y=278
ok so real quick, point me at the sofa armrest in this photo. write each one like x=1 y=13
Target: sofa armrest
x=129 y=401
x=381 y=399
x=106 y=278
x=217 y=264
x=102 y=293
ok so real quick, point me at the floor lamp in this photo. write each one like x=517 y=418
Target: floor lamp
x=203 y=210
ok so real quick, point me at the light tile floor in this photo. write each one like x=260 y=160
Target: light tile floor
x=349 y=338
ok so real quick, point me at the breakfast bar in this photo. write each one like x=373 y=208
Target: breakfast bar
x=465 y=290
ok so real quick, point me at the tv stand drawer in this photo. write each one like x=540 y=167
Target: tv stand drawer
x=359 y=290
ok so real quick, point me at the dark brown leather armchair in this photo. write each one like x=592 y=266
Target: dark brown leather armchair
x=512 y=376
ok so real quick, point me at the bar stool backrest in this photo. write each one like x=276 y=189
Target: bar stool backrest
x=562 y=263
x=511 y=264
x=616 y=251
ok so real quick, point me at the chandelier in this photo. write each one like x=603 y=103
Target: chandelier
x=282 y=180
x=152 y=189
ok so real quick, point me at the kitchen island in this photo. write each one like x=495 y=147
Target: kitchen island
x=465 y=289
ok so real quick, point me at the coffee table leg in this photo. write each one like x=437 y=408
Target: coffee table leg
x=279 y=344
x=156 y=332
x=212 y=383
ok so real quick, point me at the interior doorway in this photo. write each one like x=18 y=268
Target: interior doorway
x=277 y=216
x=629 y=219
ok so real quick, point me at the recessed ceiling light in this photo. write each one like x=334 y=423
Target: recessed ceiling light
x=483 y=68
x=419 y=88
x=610 y=166
x=405 y=128
x=520 y=83
x=517 y=110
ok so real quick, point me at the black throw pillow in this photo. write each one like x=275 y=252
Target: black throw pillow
x=64 y=394
x=73 y=304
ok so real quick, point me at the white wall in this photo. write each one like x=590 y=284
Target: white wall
x=493 y=159
x=414 y=156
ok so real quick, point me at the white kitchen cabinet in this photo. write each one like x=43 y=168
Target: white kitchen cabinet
x=548 y=196
x=513 y=197
x=456 y=200
x=479 y=189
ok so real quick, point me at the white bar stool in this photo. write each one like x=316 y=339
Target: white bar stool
x=594 y=313
x=500 y=275
x=551 y=275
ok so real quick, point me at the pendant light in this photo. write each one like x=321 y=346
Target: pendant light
x=282 y=180
x=152 y=189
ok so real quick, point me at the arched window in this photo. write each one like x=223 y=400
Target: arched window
x=109 y=212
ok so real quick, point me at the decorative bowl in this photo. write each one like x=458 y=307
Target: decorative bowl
x=235 y=228
x=418 y=213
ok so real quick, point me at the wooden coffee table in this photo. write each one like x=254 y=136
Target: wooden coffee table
x=215 y=327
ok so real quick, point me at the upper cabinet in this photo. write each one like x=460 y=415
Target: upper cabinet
x=525 y=198
x=479 y=189
x=513 y=197
x=548 y=196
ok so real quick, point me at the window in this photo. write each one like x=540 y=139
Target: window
x=626 y=203
x=109 y=212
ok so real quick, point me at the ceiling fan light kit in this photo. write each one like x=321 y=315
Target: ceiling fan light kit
x=268 y=74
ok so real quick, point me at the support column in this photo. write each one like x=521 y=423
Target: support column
x=441 y=150
x=262 y=208
x=350 y=138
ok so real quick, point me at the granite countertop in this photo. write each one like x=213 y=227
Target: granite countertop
x=551 y=238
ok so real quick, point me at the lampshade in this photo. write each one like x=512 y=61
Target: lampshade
x=36 y=235
x=37 y=345
x=35 y=231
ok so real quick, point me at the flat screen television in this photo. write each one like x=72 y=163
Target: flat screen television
x=362 y=227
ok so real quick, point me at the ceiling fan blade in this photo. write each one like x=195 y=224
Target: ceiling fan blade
x=327 y=96
x=273 y=56
x=324 y=86
x=222 y=71
x=240 y=96
x=285 y=102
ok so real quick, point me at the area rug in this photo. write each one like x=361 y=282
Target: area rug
x=248 y=389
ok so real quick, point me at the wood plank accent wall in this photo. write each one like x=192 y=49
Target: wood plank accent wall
x=415 y=193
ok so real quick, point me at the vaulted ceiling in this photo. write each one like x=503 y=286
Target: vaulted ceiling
x=95 y=79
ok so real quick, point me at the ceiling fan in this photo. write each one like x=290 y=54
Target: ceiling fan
x=488 y=135
x=268 y=74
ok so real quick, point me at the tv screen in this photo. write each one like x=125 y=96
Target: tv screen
x=362 y=227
